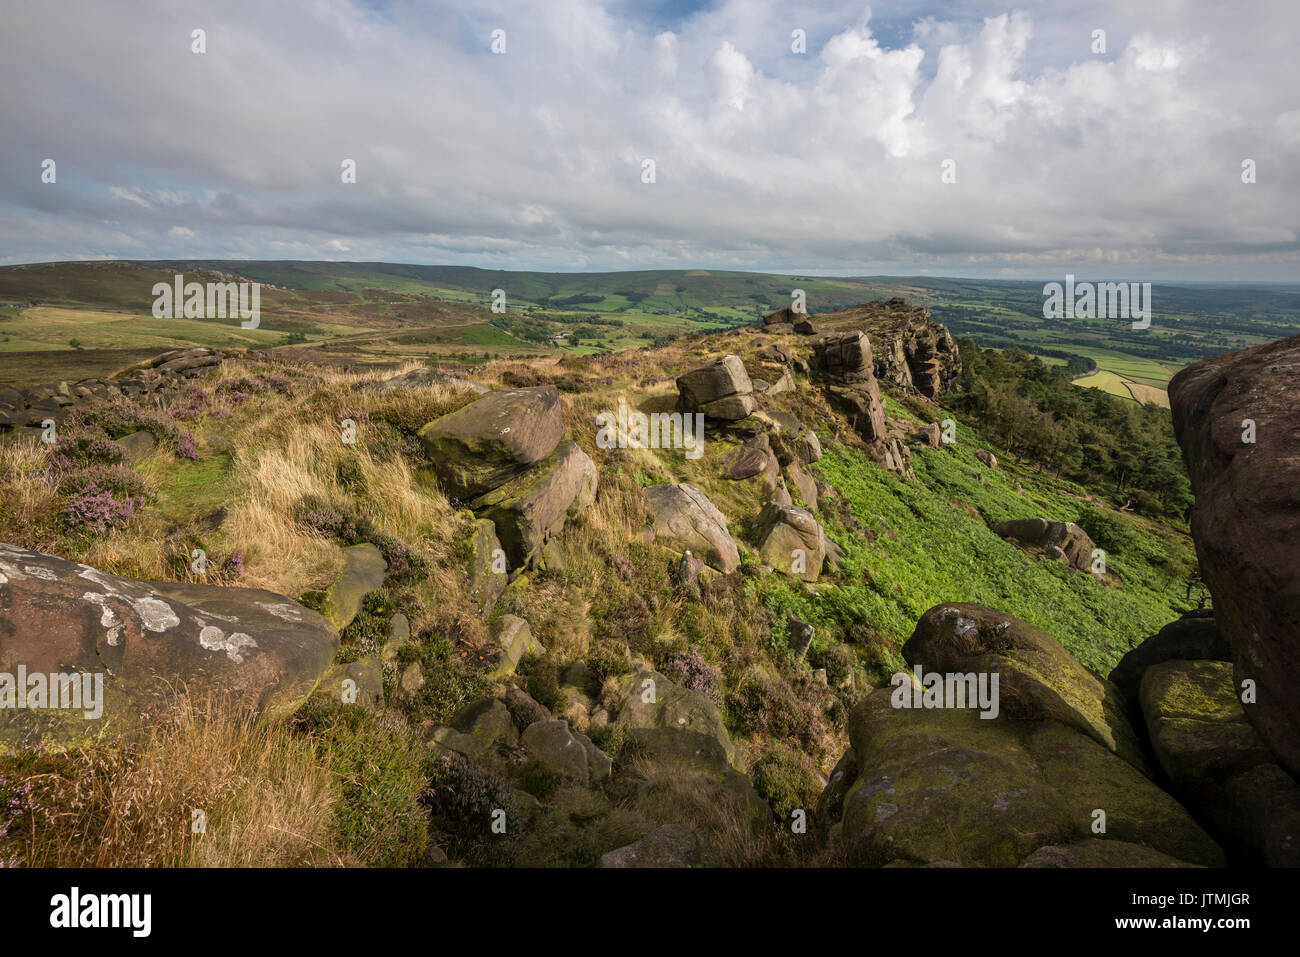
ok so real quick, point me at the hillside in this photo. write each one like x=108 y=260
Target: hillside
x=429 y=605
x=381 y=313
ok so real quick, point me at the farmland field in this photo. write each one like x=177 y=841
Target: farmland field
x=387 y=313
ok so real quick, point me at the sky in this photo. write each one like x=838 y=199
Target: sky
x=965 y=138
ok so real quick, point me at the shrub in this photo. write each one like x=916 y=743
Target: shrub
x=88 y=445
x=98 y=509
x=118 y=479
x=787 y=781
x=1108 y=530
x=192 y=401
x=609 y=659
x=768 y=706
x=448 y=685
x=693 y=672
x=542 y=680
x=120 y=416
x=461 y=797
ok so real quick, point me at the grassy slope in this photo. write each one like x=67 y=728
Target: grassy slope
x=930 y=543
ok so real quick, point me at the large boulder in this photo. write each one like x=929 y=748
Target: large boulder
x=1217 y=763
x=675 y=722
x=1037 y=678
x=243 y=648
x=493 y=439
x=720 y=389
x=531 y=507
x=791 y=541
x=684 y=518
x=846 y=356
x=936 y=785
x=1041 y=533
x=862 y=405
x=1235 y=418
x=1194 y=637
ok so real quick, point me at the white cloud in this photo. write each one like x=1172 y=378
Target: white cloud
x=826 y=162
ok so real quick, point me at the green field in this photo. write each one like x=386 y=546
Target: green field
x=386 y=312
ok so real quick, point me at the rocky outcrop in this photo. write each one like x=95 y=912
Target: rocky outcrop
x=846 y=356
x=685 y=519
x=1235 y=418
x=503 y=456
x=720 y=390
x=246 y=648
x=1043 y=533
x=791 y=541
x=1217 y=763
x=530 y=508
x=162 y=376
x=862 y=407
x=494 y=439
x=912 y=351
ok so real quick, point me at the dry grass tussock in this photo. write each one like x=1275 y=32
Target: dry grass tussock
x=267 y=798
x=26 y=495
x=295 y=451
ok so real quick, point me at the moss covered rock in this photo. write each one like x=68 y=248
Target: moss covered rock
x=1218 y=763
x=493 y=439
x=531 y=507
x=1037 y=677
x=363 y=572
x=948 y=785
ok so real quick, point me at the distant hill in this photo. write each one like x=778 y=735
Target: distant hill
x=367 y=313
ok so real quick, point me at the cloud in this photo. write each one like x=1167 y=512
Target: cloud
x=824 y=162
